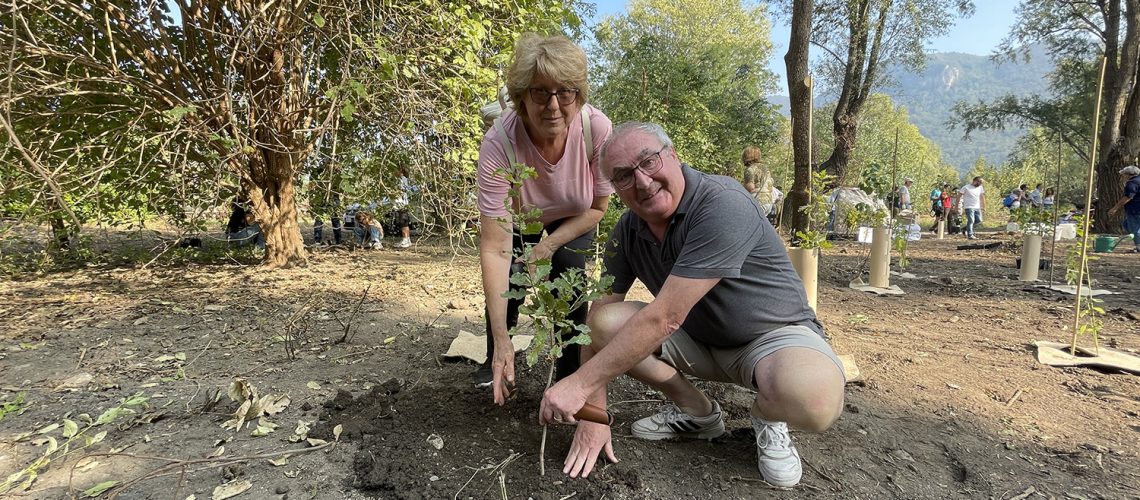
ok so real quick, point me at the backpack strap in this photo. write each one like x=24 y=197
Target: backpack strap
x=505 y=139
x=586 y=134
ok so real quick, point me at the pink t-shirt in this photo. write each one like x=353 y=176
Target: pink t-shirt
x=561 y=190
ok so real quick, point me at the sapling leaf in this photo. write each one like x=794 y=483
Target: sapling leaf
x=98 y=490
x=70 y=429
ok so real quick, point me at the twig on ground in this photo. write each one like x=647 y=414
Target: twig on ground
x=348 y=332
x=1016 y=394
x=821 y=473
x=82 y=354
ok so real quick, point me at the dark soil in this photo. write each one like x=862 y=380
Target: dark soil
x=935 y=415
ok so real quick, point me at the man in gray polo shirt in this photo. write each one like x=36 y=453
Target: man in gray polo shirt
x=728 y=307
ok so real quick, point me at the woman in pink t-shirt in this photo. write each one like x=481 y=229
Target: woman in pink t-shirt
x=547 y=85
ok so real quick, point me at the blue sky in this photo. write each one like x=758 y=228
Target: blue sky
x=979 y=35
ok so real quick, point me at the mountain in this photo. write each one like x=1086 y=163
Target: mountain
x=950 y=77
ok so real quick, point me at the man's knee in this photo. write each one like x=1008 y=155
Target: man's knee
x=607 y=320
x=802 y=385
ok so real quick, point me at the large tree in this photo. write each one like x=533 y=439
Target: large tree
x=1077 y=34
x=799 y=90
x=200 y=90
x=696 y=67
x=859 y=39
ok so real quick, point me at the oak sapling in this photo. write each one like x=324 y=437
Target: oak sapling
x=1089 y=314
x=547 y=301
x=817 y=210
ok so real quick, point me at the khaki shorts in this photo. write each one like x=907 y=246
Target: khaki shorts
x=738 y=364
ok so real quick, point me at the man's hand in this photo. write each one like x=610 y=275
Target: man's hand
x=503 y=372
x=561 y=401
x=590 y=439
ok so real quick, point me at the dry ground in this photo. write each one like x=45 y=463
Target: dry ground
x=953 y=404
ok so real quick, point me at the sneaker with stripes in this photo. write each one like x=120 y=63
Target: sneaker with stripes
x=671 y=423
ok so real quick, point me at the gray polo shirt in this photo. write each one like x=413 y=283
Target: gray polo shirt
x=717 y=232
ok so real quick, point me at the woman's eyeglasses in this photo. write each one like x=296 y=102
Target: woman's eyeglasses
x=541 y=97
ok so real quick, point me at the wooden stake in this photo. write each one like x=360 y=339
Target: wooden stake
x=1088 y=211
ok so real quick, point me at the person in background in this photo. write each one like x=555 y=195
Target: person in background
x=1035 y=196
x=972 y=202
x=757 y=179
x=237 y=220
x=250 y=233
x=904 y=194
x=936 y=206
x=546 y=130
x=368 y=231
x=1130 y=202
x=777 y=206
x=1049 y=198
x=400 y=216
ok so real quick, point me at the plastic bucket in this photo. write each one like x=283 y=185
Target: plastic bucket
x=1105 y=243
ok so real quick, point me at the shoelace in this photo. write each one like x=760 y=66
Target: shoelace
x=772 y=438
x=669 y=414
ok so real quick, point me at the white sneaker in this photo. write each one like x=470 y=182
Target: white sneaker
x=777 y=458
x=404 y=243
x=670 y=422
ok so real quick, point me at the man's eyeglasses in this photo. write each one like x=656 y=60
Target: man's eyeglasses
x=541 y=97
x=623 y=178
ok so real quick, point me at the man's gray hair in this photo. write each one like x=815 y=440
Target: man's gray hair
x=1130 y=170
x=652 y=129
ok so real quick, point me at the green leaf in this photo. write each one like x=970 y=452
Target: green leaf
x=70 y=429
x=347 y=110
x=99 y=489
x=318 y=20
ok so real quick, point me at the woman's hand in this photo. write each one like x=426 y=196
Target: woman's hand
x=503 y=372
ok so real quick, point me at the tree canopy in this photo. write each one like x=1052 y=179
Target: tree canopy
x=698 y=68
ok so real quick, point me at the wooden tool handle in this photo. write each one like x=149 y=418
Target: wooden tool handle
x=594 y=414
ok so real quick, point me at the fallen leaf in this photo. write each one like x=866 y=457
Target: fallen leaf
x=280 y=461
x=336 y=432
x=315 y=441
x=48 y=429
x=217 y=453
x=313 y=385
x=435 y=441
x=98 y=489
x=215 y=307
x=273 y=405
x=231 y=490
x=389 y=340
x=240 y=390
x=953 y=386
x=301 y=432
x=77 y=381
x=292 y=473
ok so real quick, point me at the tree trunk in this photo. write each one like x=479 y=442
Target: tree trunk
x=796 y=62
x=1119 y=140
x=274 y=203
x=845 y=128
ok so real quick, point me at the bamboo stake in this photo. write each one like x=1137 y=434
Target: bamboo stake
x=1088 y=213
x=1056 y=196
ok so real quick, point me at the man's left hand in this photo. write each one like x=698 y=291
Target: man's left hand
x=561 y=401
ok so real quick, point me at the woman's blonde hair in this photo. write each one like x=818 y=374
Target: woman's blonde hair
x=555 y=57
x=751 y=155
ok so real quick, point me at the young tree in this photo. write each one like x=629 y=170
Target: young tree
x=858 y=39
x=1077 y=34
x=698 y=68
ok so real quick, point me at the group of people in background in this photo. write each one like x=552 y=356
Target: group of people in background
x=362 y=220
